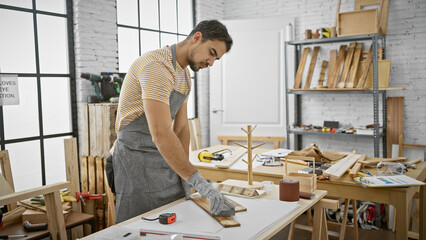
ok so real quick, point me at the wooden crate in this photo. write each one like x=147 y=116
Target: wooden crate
x=383 y=73
x=357 y=22
x=98 y=129
x=307 y=182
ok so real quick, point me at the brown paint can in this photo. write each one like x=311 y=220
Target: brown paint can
x=289 y=190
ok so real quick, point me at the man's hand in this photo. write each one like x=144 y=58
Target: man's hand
x=218 y=204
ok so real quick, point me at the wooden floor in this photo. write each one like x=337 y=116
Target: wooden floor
x=363 y=233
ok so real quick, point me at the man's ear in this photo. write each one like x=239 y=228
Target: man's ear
x=198 y=36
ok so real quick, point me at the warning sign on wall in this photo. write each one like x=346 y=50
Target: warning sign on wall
x=9 y=94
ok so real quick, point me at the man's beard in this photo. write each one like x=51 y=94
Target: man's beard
x=193 y=66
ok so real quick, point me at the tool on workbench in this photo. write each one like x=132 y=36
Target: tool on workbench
x=64 y=198
x=149 y=233
x=164 y=218
x=206 y=156
x=30 y=227
x=391 y=168
x=5 y=236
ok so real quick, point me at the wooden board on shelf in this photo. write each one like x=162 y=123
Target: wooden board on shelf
x=322 y=74
x=336 y=71
x=363 y=78
x=331 y=66
x=383 y=15
x=346 y=65
x=395 y=121
x=357 y=22
x=354 y=66
x=384 y=67
x=311 y=68
x=224 y=221
x=299 y=74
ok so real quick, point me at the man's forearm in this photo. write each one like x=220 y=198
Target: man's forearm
x=184 y=138
x=173 y=151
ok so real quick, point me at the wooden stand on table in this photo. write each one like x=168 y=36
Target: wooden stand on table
x=249 y=131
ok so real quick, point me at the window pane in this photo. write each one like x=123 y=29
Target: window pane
x=128 y=48
x=149 y=41
x=168 y=39
x=22 y=120
x=185 y=16
x=56 y=100
x=127 y=12
x=149 y=14
x=168 y=16
x=57 y=6
x=53 y=44
x=17 y=52
x=25 y=162
x=54 y=155
x=20 y=3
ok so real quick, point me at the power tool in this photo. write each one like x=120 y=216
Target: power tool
x=106 y=86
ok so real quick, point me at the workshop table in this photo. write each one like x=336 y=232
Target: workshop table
x=344 y=187
x=270 y=232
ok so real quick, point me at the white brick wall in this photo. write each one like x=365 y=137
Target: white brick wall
x=95 y=33
x=206 y=10
x=406 y=44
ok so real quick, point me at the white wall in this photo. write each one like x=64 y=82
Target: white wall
x=406 y=44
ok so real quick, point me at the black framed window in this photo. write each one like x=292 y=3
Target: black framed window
x=36 y=44
x=145 y=25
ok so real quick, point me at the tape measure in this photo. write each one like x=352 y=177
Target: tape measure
x=164 y=218
x=206 y=156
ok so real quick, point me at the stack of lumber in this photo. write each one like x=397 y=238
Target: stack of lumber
x=98 y=129
x=92 y=181
x=348 y=69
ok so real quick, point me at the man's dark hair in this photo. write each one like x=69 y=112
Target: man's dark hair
x=211 y=30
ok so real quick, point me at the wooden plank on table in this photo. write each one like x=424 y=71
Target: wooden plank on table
x=299 y=74
x=355 y=169
x=228 y=161
x=311 y=68
x=337 y=67
x=322 y=74
x=84 y=174
x=354 y=66
x=71 y=162
x=339 y=168
x=224 y=221
x=363 y=77
x=92 y=174
x=395 y=121
x=346 y=66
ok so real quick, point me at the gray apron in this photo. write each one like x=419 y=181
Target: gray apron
x=142 y=178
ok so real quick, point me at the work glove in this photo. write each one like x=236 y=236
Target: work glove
x=219 y=206
x=186 y=188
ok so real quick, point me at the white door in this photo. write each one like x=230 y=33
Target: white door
x=247 y=84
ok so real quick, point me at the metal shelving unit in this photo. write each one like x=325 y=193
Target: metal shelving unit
x=374 y=38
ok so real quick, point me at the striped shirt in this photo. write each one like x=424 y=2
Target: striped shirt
x=151 y=76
